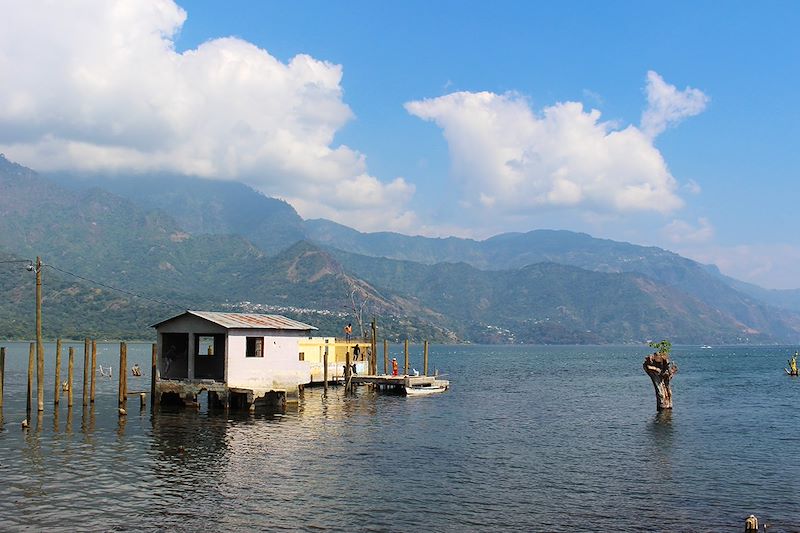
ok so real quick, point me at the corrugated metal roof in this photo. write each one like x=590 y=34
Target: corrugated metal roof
x=247 y=321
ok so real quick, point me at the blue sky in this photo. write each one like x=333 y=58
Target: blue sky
x=439 y=118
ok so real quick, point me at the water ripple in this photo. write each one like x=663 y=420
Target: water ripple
x=555 y=439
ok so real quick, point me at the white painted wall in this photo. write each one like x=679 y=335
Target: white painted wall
x=279 y=369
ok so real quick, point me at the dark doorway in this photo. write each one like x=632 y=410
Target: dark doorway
x=175 y=356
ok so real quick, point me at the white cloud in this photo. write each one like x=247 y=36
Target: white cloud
x=681 y=232
x=509 y=159
x=99 y=86
x=667 y=106
x=693 y=187
x=592 y=96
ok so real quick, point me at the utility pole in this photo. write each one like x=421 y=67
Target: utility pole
x=39 y=343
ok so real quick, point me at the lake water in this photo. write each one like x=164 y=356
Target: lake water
x=527 y=439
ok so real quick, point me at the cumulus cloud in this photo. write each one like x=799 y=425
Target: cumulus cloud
x=667 y=106
x=98 y=86
x=682 y=232
x=510 y=159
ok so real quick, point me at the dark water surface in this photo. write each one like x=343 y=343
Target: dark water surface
x=527 y=439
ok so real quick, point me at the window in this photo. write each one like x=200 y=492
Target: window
x=302 y=356
x=255 y=347
x=205 y=345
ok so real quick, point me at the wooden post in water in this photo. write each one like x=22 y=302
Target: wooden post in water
x=425 y=359
x=373 y=369
x=57 y=391
x=86 y=371
x=123 y=374
x=2 y=372
x=347 y=372
x=153 y=375
x=71 y=366
x=94 y=371
x=405 y=353
x=31 y=357
x=325 y=367
x=385 y=356
x=39 y=342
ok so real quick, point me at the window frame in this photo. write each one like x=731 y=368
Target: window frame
x=252 y=350
x=197 y=343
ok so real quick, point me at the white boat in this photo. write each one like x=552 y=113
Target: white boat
x=705 y=347
x=424 y=390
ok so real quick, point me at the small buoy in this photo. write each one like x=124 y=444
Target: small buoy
x=122 y=412
x=25 y=424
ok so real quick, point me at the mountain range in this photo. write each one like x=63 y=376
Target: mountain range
x=194 y=243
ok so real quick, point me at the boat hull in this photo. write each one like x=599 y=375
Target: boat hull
x=424 y=391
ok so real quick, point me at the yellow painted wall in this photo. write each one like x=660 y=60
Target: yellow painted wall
x=313 y=350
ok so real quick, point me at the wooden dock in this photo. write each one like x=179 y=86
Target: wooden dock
x=409 y=385
x=390 y=380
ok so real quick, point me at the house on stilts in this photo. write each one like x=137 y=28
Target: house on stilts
x=239 y=359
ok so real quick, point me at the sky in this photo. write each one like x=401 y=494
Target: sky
x=671 y=125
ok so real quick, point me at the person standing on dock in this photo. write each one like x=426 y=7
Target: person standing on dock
x=348 y=330
x=394 y=366
x=356 y=352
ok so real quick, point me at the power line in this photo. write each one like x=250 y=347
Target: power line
x=129 y=293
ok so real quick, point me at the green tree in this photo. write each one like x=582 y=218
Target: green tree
x=662 y=347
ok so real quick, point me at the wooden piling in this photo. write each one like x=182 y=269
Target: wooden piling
x=348 y=372
x=94 y=371
x=39 y=342
x=71 y=366
x=373 y=368
x=31 y=357
x=86 y=371
x=123 y=374
x=425 y=359
x=405 y=353
x=325 y=367
x=68 y=424
x=385 y=356
x=153 y=374
x=2 y=372
x=57 y=391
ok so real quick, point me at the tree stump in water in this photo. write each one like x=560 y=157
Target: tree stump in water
x=661 y=370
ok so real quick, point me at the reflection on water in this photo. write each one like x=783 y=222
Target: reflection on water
x=530 y=439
